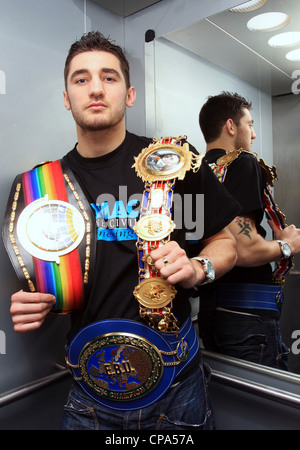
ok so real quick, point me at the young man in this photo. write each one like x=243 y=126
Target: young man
x=131 y=346
x=244 y=305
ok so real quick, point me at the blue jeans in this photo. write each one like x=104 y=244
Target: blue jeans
x=185 y=406
x=249 y=337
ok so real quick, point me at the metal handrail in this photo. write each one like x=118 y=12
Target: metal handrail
x=26 y=389
x=274 y=394
x=260 y=369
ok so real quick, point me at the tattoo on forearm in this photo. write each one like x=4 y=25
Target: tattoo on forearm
x=245 y=225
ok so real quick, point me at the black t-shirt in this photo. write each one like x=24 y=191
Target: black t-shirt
x=114 y=191
x=244 y=180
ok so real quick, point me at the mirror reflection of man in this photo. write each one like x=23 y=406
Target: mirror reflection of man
x=242 y=307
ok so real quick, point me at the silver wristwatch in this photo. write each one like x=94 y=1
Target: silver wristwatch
x=285 y=249
x=208 y=269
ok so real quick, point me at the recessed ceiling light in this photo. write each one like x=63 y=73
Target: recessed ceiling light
x=282 y=40
x=268 y=21
x=249 y=6
x=294 y=55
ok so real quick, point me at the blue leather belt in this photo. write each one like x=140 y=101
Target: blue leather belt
x=249 y=296
x=127 y=365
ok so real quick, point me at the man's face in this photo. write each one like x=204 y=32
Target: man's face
x=245 y=132
x=96 y=91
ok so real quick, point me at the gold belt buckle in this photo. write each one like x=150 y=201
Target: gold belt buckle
x=121 y=366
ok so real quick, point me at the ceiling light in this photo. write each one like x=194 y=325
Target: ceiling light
x=283 y=40
x=268 y=22
x=249 y=6
x=294 y=55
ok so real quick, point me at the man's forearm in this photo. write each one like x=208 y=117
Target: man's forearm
x=221 y=251
x=252 y=249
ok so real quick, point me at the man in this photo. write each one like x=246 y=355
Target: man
x=244 y=305
x=131 y=346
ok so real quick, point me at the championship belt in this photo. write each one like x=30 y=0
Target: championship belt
x=271 y=208
x=47 y=234
x=127 y=365
x=159 y=165
x=285 y=265
x=220 y=167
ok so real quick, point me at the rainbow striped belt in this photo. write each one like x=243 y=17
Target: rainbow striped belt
x=45 y=239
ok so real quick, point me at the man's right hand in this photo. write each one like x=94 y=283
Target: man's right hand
x=29 y=310
x=291 y=234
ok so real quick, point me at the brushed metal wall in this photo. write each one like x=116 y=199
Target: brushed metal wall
x=286 y=143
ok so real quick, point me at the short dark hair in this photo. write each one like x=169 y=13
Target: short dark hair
x=217 y=110
x=95 y=41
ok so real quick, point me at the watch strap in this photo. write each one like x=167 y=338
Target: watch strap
x=204 y=262
x=282 y=244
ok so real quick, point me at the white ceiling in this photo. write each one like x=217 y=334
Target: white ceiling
x=125 y=8
x=225 y=40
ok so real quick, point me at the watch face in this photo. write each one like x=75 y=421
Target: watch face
x=210 y=270
x=286 y=250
